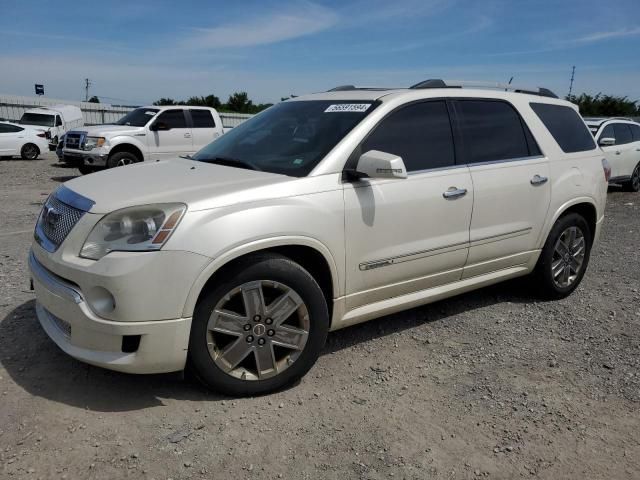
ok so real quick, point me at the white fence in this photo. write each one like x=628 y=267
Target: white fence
x=12 y=108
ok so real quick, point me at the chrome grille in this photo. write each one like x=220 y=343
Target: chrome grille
x=73 y=140
x=56 y=220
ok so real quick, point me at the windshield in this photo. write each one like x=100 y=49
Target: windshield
x=41 y=119
x=289 y=138
x=138 y=117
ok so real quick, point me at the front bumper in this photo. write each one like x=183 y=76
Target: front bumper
x=128 y=346
x=95 y=158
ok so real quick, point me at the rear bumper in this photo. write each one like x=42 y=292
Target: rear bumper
x=158 y=346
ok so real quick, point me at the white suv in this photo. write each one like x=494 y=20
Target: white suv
x=146 y=133
x=323 y=211
x=620 y=141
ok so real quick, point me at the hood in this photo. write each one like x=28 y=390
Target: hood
x=109 y=130
x=197 y=184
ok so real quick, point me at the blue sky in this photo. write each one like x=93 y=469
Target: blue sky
x=138 y=51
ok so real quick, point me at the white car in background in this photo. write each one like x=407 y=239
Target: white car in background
x=55 y=120
x=26 y=142
x=619 y=138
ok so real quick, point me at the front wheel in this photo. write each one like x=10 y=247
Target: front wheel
x=633 y=185
x=29 y=151
x=121 y=159
x=564 y=257
x=261 y=328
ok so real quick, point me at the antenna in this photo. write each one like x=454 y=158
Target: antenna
x=87 y=84
x=573 y=73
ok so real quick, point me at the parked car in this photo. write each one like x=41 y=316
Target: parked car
x=26 y=142
x=56 y=120
x=147 y=133
x=321 y=212
x=620 y=141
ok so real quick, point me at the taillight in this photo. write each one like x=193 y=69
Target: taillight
x=606 y=166
x=41 y=135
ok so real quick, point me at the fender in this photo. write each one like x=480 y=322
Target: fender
x=252 y=247
x=131 y=140
x=544 y=233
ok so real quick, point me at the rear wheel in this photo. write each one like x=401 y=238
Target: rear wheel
x=120 y=159
x=261 y=328
x=564 y=257
x=29 y=151
x=633 y=185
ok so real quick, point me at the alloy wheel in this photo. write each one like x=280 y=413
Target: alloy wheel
x=568 y=257
x=635 y=179
x=30 y=151
x=124 y=161
x=258 y=330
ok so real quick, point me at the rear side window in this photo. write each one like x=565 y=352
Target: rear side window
x=492 y=131
x=173 y=118
x=566 y=127
x=419 y=133
x=202 y=119
x=623 y=133
x=635 y=131
x=4 y=128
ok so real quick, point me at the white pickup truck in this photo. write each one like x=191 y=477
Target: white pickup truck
x=146 y=133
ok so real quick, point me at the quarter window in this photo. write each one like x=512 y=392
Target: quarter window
x=623 y=133
x=202 y=119
x=492 y=131
x=419 y=133
x=566 y=127
x=173 y=118
x=5 y=128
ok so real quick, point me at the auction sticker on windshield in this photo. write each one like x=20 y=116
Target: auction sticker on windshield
x=348 y=107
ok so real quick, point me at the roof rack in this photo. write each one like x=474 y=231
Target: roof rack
x=438 y=83
x=346 y=88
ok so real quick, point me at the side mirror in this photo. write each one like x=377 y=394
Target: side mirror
x=376 y=164
x=159 y=126
x=607 y=142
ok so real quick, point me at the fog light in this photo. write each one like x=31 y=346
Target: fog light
x=101 y=300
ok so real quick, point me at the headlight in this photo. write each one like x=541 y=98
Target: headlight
x=93 y=142
x=133 y=229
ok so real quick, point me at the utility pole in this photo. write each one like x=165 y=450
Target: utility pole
x=87 y=84
x=573 y=73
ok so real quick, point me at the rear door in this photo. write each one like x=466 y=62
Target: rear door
x=10 y=139
x=203 y=126
x=406 y=235
x=173 y=142
x=510 y=181
x=625 y=150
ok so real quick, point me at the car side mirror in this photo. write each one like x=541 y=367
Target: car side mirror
x=607 y=142
x=159 y=126
x=376 y=164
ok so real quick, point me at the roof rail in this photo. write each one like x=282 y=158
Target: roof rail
x=438 y=83
x=342 y=88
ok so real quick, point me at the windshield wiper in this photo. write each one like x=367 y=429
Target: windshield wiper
x=229 y=162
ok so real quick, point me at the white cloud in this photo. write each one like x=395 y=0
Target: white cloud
x=297 y=20
x=598 y=36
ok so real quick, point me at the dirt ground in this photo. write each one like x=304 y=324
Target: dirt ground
x=492 y=384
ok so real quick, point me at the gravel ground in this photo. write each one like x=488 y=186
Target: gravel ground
x=492 y=384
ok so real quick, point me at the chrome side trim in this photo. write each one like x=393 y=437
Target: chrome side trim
x=73 y=199
x=515 y=233
x=507 y=160
x=53 y=283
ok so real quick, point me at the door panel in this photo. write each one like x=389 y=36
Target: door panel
x=204 y=129
x=403 y=235
x=10 y=141
x=174 y=142
x=508 y=213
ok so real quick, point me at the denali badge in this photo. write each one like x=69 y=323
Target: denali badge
x=50 y=216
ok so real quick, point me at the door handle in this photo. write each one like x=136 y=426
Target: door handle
x=454 y=192
x=538 y=180
x=187 y=135
x=617 y=152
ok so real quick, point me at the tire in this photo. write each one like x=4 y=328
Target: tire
x=86 y=169
x=120 y=159
x=29 y=151
x=571 y=268
x=633 y=185
x=211 y=351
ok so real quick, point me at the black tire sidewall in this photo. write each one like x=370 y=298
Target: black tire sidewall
x=629 y=185
x=544 y=272
x=259 y=267
x=113 y=160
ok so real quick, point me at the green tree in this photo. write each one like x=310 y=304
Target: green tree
x=94 y=99
x=239 y=102
x=167 y=101
x=605 y=105
x=208 y=101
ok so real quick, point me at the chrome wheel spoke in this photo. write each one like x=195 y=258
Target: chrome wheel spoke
x=235 y=353
x=224 y=321
x=290 y=337
x=253 y=299
x=557 y=267
x=283 y=307
x=561 y=247
x=265 y=360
